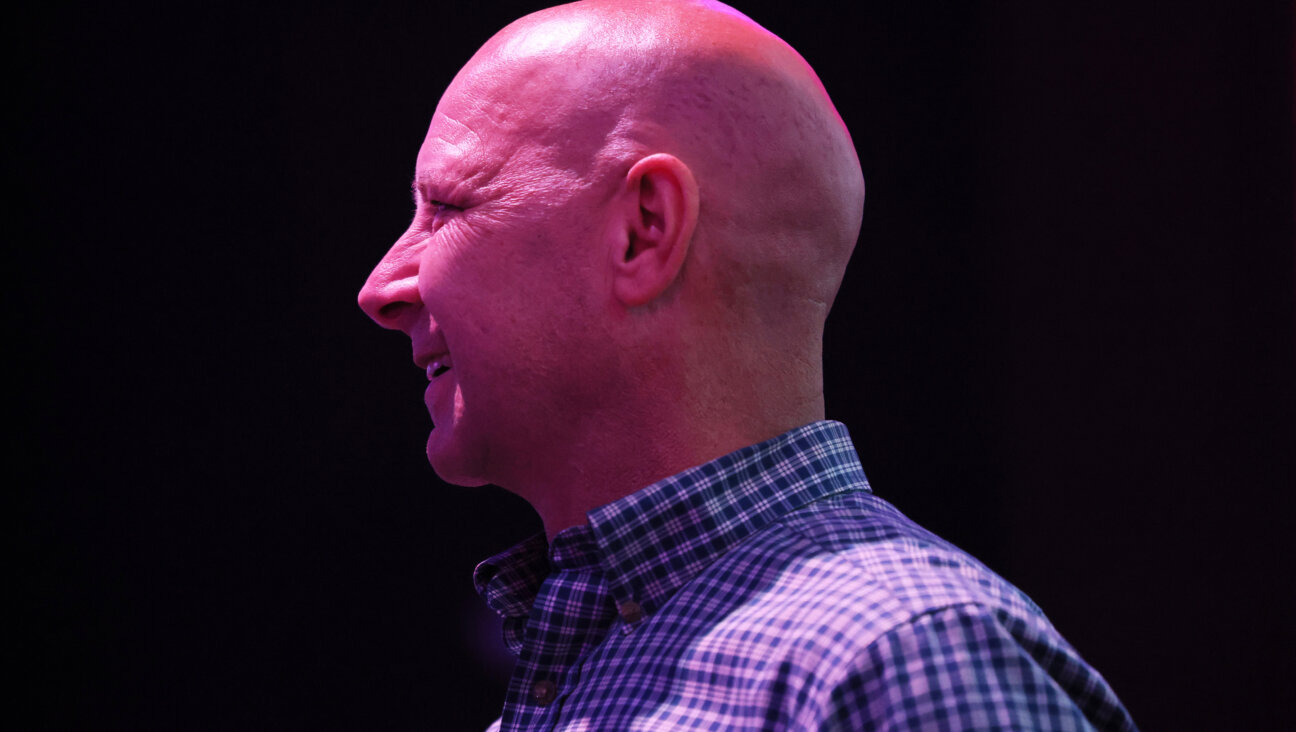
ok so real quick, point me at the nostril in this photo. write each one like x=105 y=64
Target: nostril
x=392 y=310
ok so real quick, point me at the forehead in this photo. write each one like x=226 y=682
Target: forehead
x=489 y=120
x=461 y=146
x=514 y=112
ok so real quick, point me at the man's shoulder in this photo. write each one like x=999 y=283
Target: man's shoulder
x=838 y=614
x=852 y=560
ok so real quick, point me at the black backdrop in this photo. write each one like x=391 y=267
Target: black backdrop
x=1065 y=342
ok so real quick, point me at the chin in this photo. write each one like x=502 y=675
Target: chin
x=451 y=462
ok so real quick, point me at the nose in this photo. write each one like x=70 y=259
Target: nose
x=390 y=296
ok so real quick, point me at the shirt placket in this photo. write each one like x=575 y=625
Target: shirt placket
x=570 y=615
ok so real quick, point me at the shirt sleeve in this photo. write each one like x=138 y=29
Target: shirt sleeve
x=966 y=667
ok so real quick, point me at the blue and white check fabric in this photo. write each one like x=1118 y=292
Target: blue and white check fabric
x=770 y=589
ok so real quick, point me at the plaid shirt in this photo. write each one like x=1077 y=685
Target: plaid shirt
x=769 y=589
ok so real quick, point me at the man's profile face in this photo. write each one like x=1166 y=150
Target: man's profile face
x=493 y=279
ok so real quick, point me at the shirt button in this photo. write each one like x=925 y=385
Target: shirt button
x=630 y=611
x=544 y=692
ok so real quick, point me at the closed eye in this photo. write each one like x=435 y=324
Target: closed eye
x=422 y=199
x=436 y=213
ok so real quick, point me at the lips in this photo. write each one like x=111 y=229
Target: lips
x=435 y=364
x=436 y=368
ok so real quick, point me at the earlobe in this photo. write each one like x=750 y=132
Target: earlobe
x=658 y=218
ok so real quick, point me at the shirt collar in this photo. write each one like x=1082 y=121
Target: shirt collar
x=656 y=539
x=651 y=542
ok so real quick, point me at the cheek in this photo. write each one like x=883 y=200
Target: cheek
x=512 y=299
x=441 y=262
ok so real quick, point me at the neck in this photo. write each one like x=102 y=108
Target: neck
x=610 y=459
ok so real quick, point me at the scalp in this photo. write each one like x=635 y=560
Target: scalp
x=780 y=183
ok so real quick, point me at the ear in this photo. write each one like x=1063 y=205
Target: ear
x=654 y=229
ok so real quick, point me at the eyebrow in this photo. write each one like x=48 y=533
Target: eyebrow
x=424 y=180
x=418 y=185
x=433 y=187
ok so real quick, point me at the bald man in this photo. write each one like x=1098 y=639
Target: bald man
x=632 y=219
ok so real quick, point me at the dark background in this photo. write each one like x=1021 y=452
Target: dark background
x=1065 y=342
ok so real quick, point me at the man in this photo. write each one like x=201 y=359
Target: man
x=632 y=218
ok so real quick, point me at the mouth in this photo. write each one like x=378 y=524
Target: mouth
x=434 y=364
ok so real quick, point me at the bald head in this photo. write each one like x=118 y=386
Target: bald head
x=779 y=181
x=632 y=220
